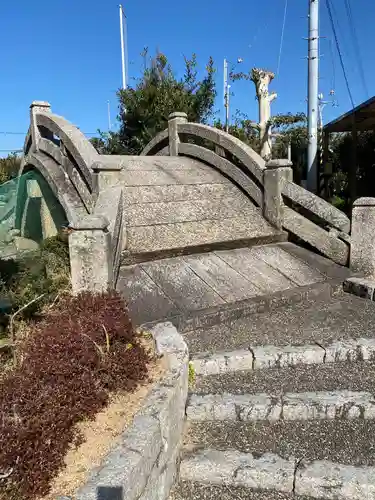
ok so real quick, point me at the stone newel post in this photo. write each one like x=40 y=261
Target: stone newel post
x=276 y=174
x=173 y=120
x=362 y=252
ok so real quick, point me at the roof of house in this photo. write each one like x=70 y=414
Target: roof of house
x=361 y=118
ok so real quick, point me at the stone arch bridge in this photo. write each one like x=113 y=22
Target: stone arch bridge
x=199 y=220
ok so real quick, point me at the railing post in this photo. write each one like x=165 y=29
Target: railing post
x=276 y=173
x=174 y=140
x=37 y=107
x=362 y=250
x=91 y=255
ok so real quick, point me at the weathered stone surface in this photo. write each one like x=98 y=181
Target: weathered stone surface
x=271 y=356
x=174 y=120
x=326 y=243
x=190 y=234
x=222 y=278
x=289 y=406
x=181 y=284
x=226 y=167
x=146 y=300
x=188 y=490
x=274 y=178
x=295 y=269
x=362 y=254
x=250 y=159
x=263 y=276
x=338 y=376
x=344 y=441
x=25 y=244
x=329 y=480
x=317 y=206
x=302 y=321
x=90 y=260
x=362 y=287
x=239 y=469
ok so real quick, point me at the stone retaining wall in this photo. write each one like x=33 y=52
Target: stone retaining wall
x=144 y=465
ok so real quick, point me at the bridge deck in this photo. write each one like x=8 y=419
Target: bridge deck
x=175 y=203
x=185 y=285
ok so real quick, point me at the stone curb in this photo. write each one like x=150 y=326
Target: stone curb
x=318 y=479
x=289 y=406
x=361 y=287
x=269 y=356
x=144 y=465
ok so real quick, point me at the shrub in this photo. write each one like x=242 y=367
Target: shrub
x=45 y=272
x=70 y=362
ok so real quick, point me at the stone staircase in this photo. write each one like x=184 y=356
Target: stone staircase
x=282 y=405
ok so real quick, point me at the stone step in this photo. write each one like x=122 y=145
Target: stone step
x=345 y=441
x=148 y=242
x=338 y=376
x=285 y=406
x=191 y=490
x=308 y=322
x=260 y=357
x=292 y=475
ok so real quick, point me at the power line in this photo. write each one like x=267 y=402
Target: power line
x=282 y=37
x=328 y=3
x=357 y=51
x=25 y=133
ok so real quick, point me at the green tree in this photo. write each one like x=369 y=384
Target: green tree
x=9 y=167
x=144 y=108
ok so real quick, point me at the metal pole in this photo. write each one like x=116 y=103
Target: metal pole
x=122 y=49
x=313 y=79
x=226 y=95
x=289 y=151
x=109 y=116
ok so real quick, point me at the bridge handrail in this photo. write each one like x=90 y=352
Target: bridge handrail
x=317 y=206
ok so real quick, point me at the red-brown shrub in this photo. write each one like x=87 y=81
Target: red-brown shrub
x=70 y=363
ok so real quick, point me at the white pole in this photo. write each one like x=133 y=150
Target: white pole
x=289 y=151
x=313 y=80
x=109 y=116
x=226 y=95
x=122 y=49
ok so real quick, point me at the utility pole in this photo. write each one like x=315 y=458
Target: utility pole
x=123 y=66
x=109 y=116
x=313 y=82
x=226 y=95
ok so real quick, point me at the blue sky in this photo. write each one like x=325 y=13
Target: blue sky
x=68 y=53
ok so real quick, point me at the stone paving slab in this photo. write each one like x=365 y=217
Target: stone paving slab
x=189 y=490
x=293 y=268
x=222 y=278
x=142 y=294
x=348 y=442
x=266 y=278
x=177 y=192
x=232 y=277
x=302 y=378
x=181 y=284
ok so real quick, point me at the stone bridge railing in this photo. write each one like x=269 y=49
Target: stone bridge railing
x=63 y=156
x=270 y=185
